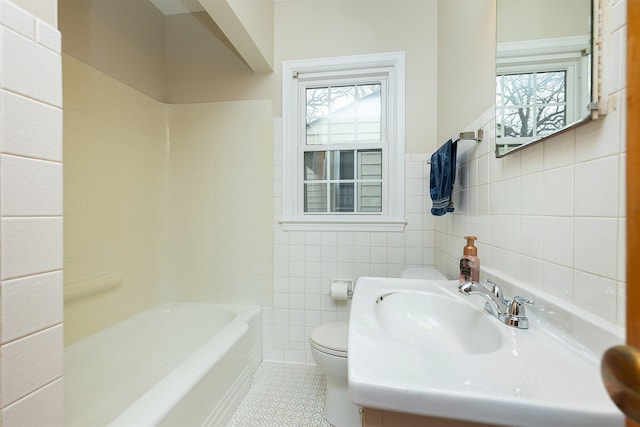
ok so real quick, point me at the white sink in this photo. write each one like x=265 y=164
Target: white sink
x=420 y=347
x=437 y=323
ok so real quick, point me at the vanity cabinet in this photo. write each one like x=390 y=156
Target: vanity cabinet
x=381 y=418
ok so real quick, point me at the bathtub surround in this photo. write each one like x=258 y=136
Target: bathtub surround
x=31 y=211
x=174 y=198
x=114 y=149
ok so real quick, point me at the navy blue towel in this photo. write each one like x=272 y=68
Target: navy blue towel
x=442 y=177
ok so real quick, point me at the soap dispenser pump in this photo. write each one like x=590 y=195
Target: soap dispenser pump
x=470 y=263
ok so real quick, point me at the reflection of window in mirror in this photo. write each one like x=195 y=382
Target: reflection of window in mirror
x=543 y=69
x=531 y=104
x=541 y=87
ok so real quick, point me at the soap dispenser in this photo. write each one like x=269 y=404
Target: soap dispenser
x=470 y=263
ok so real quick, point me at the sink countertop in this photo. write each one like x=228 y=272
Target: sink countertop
x=534 y=378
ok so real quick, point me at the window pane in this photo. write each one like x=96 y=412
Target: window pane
x=551 y=119
x=517 y=122
x=370 y=164
x=342 y=197
x=343 y=114
x=370 y=197
x=499 y=96
x=315 y=198
x=341 y=165
x=551 y=87
x=315 y=165
x=531 y=104
x=517 y=89
x=317 y=102
x=342 y=97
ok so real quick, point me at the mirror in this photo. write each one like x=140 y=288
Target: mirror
x=543 y=69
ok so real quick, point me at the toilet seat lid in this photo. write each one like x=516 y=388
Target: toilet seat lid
x=331 y=336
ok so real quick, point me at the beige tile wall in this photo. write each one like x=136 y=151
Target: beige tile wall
x=219 y=235
x=114 y=204
x=31 y=220
x=165 y=202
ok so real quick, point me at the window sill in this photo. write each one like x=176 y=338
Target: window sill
x=341 y=225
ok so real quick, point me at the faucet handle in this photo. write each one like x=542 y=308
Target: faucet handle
x=496 y=290
x=516 y=306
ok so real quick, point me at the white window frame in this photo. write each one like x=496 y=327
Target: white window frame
x=390 y=66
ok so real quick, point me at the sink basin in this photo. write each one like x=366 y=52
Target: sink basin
x=421 y=347
x=437 y=323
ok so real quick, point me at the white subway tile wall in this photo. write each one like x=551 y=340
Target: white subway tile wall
x=305 y=262
x=560 y=203
x=31 y=220
x=551 y=216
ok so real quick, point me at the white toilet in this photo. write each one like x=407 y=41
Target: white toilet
x=329 y=350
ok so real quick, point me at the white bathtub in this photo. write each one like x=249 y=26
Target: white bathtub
x=182 y=364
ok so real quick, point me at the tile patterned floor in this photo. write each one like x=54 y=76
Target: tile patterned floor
x=283 y=395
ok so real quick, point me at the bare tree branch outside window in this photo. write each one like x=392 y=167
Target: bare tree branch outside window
x=343 y=180
x=531 y=104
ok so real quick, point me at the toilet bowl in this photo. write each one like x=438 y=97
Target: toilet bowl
x=329 y=351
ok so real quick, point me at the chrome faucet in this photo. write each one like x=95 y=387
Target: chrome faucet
x=510 y=312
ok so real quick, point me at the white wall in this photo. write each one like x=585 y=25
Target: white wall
x=31 y=214
x=552 y=215
x=305 y=263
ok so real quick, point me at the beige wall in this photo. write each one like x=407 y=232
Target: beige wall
x=123 y=39
x=466 y=54
x=552 y=18
x=202 y=66
x=315 y=29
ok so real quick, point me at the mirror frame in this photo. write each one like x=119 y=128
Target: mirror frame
x=592 y=106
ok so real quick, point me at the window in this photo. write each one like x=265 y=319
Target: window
x=541 y=87
x=343 y=143
x=531 y=104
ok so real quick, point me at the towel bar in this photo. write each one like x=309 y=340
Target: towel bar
x=468 y=136
x=471 y=135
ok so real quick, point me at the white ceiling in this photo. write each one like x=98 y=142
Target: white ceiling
x=174 y=7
